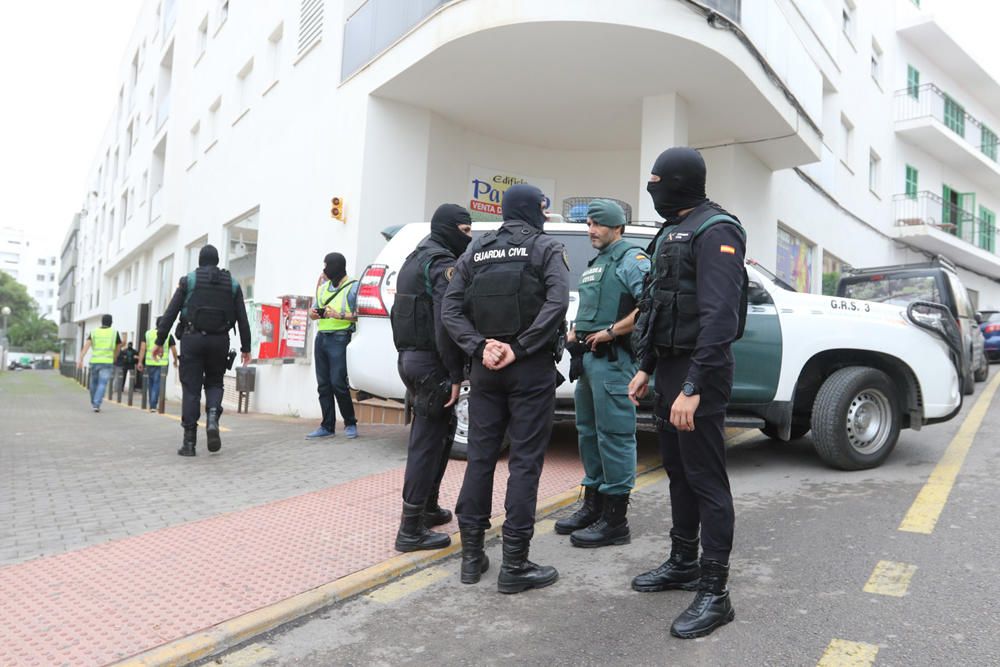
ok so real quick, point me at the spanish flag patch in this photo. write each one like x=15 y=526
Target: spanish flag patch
x=728 y=249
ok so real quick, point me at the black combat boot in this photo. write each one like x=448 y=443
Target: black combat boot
x=710 y=608
x=611 y=528
x=434 y=514
x=679 y=572
x=190 y=439
x=517 y=573
x=212 y=429
x=413 y=534
x=588 y=513
x=474 y=558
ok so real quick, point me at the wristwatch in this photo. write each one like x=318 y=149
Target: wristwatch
x=689 y=389
x=611 y=331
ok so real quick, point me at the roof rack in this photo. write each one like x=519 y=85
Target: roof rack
x=937 y=260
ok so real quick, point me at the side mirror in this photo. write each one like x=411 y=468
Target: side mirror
x=979 y=317
x=757 y=295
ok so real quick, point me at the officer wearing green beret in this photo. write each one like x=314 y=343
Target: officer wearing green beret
x=605 y=418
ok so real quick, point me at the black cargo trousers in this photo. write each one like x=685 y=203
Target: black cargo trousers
x=203 y=363
x=430 y=437
x=517 y=400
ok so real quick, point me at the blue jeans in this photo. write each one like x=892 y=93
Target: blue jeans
x=100 y=375
x=153 y=378
x=330 y=350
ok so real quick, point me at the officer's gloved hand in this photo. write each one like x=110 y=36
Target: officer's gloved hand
x=576 y=351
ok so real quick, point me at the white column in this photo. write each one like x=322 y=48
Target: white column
x=664 y=125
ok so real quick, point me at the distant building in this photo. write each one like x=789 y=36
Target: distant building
x=29 y=261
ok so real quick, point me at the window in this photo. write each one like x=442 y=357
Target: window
x=195 y=132
x=846 y=139
x=894 y=291
x=212 y=124
x=274 y=42
x=114 y=288
x=192 y=252
x=144 y=187
x=201 y=43
x=244 y=89
x=794 y=261
x=127 y=281
x=987 y=229
x=166 y=275
x=223 y=14
x=876 y=62
x=911 y=181
x=988 y=143
x=954 y=116
x=41 y=262
x=874 y=169
x=40 y=277
x=847 y=20
x=241 y=251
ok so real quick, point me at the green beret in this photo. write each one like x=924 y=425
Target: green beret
x=606 y=212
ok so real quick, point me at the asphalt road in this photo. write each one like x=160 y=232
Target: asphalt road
x=808 y=540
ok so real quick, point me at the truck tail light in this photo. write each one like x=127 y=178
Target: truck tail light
x=370 y=302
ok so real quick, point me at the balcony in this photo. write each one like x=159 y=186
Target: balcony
x=68 y=330
x=936 y=123
x=928 y=222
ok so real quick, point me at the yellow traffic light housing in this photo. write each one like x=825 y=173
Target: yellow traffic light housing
x=337 y=208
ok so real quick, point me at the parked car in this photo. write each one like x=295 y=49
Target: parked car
x=852 y=372
x=990 y=327
x=936 y=281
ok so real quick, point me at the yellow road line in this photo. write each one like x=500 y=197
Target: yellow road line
x=251 y=656
x=926 y=509
x=545 y=527
x=890 y=578
x=407 y=585
x=842 y=653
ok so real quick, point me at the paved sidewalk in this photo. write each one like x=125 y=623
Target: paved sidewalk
x=172 y=546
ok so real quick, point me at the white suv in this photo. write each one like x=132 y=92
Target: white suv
x=852 y=372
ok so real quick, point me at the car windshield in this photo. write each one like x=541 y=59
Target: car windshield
x=896 y=291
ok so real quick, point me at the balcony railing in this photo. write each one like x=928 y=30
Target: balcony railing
x=927 y=208
x=929 y=101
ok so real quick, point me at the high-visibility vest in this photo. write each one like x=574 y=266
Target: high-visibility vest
x=336 y=298
x=102 y=345
x=150 y=344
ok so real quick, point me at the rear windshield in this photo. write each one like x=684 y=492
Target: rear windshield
x=995 y=317
x=894 y=291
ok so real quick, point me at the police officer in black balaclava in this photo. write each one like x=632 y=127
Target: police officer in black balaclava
x=210 y=302
x=693 y=309
x=506 y=308
x=432 y=367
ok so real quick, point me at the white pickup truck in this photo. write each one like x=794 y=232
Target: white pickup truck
x=853 y=372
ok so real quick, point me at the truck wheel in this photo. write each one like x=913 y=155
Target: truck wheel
x=855 y=419
x=798 y=430
x=460 y=441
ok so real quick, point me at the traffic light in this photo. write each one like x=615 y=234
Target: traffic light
x=337 y=208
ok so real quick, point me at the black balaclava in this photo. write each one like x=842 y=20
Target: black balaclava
x=524 y=202
x=208 y=256
x=336 y=267
x=105 y=320
x=682 y=181
x=444 y=227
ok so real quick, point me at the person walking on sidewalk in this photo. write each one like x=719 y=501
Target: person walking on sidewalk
x=334 y=314
x=432 y=367
x=693 y=310
x=605 y=418
x=210 y=303
x=126 y=361
x=104 y=343
x=155 y=368
x=506 y=308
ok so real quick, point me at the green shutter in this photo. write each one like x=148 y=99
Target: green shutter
x=949 y=213
x=954 y=116
x=987 y=229
x=913 y=82
x=988 y=143
x=911 y=182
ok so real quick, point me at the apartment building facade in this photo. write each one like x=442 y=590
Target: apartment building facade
x=842 y=132
x=29 y=260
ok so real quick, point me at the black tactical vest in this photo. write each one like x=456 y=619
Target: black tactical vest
x=210 y=303
x=412 y=315
x=673 y=281
x=507 y=291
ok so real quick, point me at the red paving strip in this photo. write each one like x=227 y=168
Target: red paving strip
x=105 y=603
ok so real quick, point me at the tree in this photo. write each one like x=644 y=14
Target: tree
x=27 y=331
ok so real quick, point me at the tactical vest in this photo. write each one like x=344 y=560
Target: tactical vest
x=412 y=315
x=673 y=286
x=102 y=345
x=507 y=291
x=150 y=344
x=604 y=297
x=210 y=302
x=336 y=298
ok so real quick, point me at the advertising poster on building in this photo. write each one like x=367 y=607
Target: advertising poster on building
x=295 y=324
x=794 y=262
x=270 y=342
x=486 y=188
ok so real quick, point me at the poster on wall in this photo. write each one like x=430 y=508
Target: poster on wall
x=270 y=342
x=794 y=261
x=487 y=185
x=295 y=324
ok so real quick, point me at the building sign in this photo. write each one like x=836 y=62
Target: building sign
x=295 y=323
x=487 y=186
x=794 y=263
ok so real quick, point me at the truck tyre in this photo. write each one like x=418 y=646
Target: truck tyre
x=798 y=431
x=855 y=419
x=983 y=372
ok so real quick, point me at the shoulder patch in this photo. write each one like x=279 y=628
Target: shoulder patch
x=449 y=273
x=728 y=249
x=565 y=258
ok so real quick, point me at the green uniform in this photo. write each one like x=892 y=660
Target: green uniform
x=605 y=418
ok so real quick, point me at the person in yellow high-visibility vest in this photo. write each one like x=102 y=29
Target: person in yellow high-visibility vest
x=103 y=344
x=334 y=314
x=153 y=366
